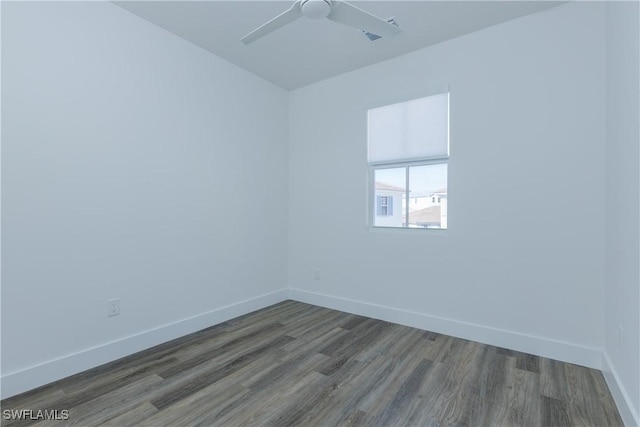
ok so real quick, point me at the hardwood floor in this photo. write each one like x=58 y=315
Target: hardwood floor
x=298 y=364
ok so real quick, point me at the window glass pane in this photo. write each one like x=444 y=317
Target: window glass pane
x=389 y=197
x=428 y=196
x=409 y=130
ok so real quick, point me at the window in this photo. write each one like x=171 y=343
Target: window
x=384 y=206
x=408 y=146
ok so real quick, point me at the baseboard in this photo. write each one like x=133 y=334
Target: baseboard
x=26 y=379
x=20 y=381
x=558 y=350
x=623 y=402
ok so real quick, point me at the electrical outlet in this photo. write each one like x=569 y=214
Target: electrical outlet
x=113 y=307
x=316 y=275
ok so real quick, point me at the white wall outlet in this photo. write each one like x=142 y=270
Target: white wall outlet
x=113 y=307
x=316 y=274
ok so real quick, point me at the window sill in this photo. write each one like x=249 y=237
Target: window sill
x=382 y=229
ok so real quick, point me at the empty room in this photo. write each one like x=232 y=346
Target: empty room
x=320 y=213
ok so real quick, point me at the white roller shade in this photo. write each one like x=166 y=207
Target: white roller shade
x=409 y=130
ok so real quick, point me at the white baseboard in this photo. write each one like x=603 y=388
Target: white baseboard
x=625 y=406
x=558 y=350
x=26 y=379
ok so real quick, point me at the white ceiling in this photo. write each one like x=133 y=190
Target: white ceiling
x=307 y=50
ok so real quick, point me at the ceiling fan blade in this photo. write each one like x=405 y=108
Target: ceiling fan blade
x=281 y=20
x=348 y=14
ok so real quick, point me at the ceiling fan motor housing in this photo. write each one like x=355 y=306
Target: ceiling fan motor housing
x=315 y=9
x=338 y=11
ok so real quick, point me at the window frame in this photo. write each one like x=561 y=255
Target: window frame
x=371 y=204
x=424 y=161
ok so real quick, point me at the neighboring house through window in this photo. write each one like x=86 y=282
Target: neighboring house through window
x=408 y=148
x=385 y=205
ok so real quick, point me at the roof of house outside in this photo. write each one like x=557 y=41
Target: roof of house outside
x=429 y=215
x=420 y=194
x=387 y=187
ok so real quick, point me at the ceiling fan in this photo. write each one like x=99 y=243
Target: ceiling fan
x=334 y=10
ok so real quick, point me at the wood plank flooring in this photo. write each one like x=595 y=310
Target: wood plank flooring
x=295 y=364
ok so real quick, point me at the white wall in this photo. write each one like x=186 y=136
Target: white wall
x=124 y=148
x=134 y=166
x=527 y=124
x=622 y=353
